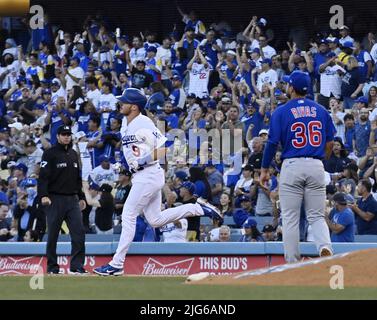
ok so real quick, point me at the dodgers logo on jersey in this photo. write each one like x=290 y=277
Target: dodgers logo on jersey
x=126 y=140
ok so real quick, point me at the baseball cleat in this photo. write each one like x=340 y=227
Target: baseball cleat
x=108 y=270
x=325 y=252
x=209 y=210
x=55 y=271
x=79 y=271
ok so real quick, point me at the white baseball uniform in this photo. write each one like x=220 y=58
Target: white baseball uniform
x=140 y=137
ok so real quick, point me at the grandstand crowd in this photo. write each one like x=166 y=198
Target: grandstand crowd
x=208 y=77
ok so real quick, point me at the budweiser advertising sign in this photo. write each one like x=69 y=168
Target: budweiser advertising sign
x=147 y=265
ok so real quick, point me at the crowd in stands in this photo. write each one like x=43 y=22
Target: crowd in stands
x=206 y=78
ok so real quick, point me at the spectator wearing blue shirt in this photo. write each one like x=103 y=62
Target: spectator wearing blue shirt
x=227 y=65
x=189 y=42
x=80 y=54
x=244 y=210
x=94 y=136
x=253 y=119
x=211 y=47
x=252 y=234
x=178 y=95
x=180 y=62
x=156 y=101
x=320 y=57
x=215 y=180
x=362 y=133
x=153 y=65
x=352 y=83
x=202 y=187
x=341 y=220
x=366 y=209
x=364 y=60
x=82 y=116
x=56 y=117
x=169 y=116
x=111 y=140
x=349 y=133
x=338 y=159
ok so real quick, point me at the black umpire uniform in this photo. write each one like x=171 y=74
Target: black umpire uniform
x=60 y=181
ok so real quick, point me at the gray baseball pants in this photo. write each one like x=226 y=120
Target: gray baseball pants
x=302 y=179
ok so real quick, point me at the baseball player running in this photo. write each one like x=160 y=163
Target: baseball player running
x=306 y=132
x=143 y=145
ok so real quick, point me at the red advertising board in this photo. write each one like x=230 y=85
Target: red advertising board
x=175 y=265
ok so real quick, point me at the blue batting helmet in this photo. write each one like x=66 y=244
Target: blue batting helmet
x=134 y=96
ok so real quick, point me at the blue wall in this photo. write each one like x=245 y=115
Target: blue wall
x=158 y=248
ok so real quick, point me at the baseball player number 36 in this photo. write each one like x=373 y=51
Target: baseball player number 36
x=302 y=134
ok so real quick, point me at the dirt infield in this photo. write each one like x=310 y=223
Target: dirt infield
x=359 y=267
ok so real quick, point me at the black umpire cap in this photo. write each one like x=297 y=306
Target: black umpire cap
x=64 y=129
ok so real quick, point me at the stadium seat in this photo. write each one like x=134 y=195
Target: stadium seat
x=262 y=221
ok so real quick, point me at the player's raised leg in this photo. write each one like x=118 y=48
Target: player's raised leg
x=139 y=197
x=315 y=202
x=157 y=218
x=291 y=190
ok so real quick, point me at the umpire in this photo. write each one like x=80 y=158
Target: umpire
x=60 y=191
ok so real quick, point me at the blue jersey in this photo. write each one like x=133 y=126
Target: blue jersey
x=95 y=153
x=56 y=122
x=82 y=120
x=363 y=66
x=84 y=60
x=302 y=127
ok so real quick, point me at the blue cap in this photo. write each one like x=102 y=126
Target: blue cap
x=332 y=40
x=21 y=167
x=152 y=49
x=278 y=92
x=93 y=185
x=298 y=52
x=103 y=158
x=45 y=81
x=323 y=41
x=298 y=80
x=189 y=186
x=177 y=77
x=182 y=175
x=212 y=104
x=21 y=79
x=206 y=97
x=362 y=99
x=39 y=106
x=252 y=64
x=134 y=96
x=46 y=91
x=331 y=54
x=31 y=182
x=268 y=61
x=348 y=44
x=189 y=28
x=4 y=129
x=244 y=198
x=256 y=50
x=249 y=223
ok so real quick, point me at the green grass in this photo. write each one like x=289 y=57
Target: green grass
x=140 y=288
